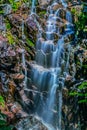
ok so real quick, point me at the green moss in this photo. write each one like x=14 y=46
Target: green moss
x=10 y=37
x=73 y=10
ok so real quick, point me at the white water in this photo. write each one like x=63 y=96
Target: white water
x=64 y=3
x=46 y=78
x=68 y=16
x=24 y=66
x=23 y=35
x=47 y=73
x=33 y=9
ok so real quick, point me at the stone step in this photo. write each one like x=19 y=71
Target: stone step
x=50 y=35
x=43 y=76
x=48 y=60
x=46 y=46
x=42 y=69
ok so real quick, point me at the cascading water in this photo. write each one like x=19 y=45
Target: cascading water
x=47 y=74
x=64 y=3
x=24 y=66
x=23 y=35
x=33 y=9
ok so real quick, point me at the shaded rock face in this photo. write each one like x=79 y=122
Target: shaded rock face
x=24 y=31
x=12 y=80
x=30 y=123
x=31 y=28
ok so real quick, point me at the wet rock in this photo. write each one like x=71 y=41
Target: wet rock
x=12 y=87
x=3 y=43
x=18 y=78
x=7 y=9
x=24 y=97
x=31 y=28
x=56 y=6
x=65 y=93
x=44 y=3
x=30 y=123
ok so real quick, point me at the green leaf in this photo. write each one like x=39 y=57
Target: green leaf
x=83 y=101
x=73 y=93
x=83 y=86
x=1 y=12
x=2 y=122
x=30 y=42
x=2 y=116
x=2 y=102
x=6 y=128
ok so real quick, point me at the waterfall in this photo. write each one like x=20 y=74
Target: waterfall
x=33 y=9
x=47 y=74
x=24 y=67
x=64 y=3
x=23 y=35
x=68 y=16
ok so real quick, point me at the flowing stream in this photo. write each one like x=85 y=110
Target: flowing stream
x=50 y=68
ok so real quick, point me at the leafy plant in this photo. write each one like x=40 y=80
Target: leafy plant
x=42 y=13
x=1 y=12
x=30 y=42
x=10 y=37
x=15 y=4
x=80 y=92
x=80 y=20
x=8 y=25
x=2 y=102
x=3 y=123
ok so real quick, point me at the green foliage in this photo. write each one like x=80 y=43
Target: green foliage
x=8 y=25
x=84 y=66
x=80 y=92
x=73 y=10
x=3 y=118
x=81 y=20
x=1 y=1
x=30 y=42
x=15 y=4
x=2 y=102
x=10 y=37
x=1 y=12
x=3 y=123
x=42 y=13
